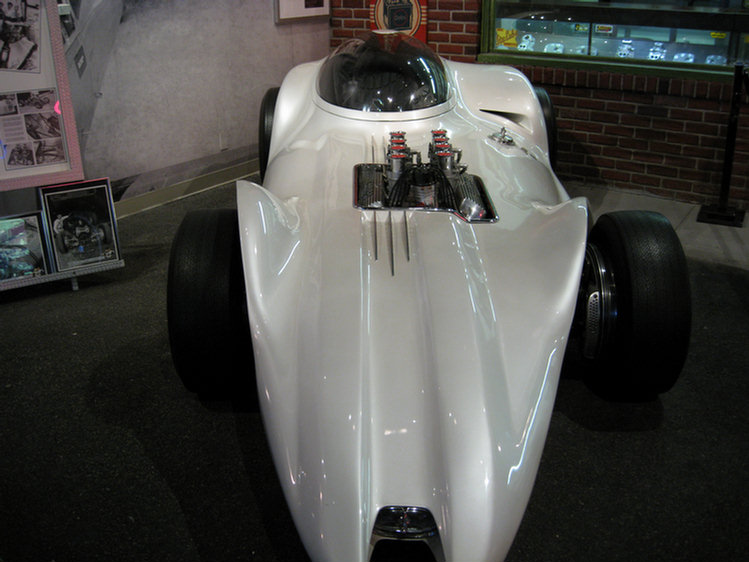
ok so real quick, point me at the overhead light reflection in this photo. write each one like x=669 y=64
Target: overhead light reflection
x=402 y=431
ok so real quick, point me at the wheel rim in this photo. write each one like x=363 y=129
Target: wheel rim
x=600 y=303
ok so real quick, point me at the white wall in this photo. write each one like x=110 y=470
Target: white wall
x=185 y=81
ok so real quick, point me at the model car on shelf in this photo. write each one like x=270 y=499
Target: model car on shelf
x=557 y=48
x=684 y=57
x=657 y=51
x=527 y=43
x=626 y=49
x=401 y=294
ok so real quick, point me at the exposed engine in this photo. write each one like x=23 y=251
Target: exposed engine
x=406 y=182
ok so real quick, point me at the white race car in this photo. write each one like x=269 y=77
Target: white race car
x=402 y=291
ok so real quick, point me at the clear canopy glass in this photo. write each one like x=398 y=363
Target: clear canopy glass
x=386 y=72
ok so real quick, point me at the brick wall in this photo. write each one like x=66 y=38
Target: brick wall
x=664 y=136
x=452 y=31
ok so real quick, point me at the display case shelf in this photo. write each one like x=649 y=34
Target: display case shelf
x=672 y=34
x=62 y=275
x=73 y=234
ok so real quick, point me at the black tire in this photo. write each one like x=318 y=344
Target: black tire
x=209 y=331
x=265 y=127
x=635 y=343
x=550 y=120
x=60 y=243
x=106 y=232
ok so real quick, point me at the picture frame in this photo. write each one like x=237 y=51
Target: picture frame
x=24 y=247
x=289 y=11
x=405 y=16
x=81 y=224
x=38 y=136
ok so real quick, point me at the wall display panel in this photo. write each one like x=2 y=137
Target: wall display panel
x=671 y=32
x=38 y=138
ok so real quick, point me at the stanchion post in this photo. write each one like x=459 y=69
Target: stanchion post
x=722 y=213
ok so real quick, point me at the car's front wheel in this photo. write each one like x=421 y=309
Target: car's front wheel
x=634 y=313
x=209 y=331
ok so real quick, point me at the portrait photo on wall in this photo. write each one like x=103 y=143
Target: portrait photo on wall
x=22 y=247
x=82 y=225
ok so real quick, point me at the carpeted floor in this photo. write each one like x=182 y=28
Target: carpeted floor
x=104 y=456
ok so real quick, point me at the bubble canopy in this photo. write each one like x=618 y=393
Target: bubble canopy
x=385 y=72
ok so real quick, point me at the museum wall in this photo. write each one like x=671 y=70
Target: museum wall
x=660 y=135
x=183 y=85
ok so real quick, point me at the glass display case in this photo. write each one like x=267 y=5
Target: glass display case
x=660 y=44
x=675 y=32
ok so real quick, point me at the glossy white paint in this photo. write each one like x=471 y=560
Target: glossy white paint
x=409 y=357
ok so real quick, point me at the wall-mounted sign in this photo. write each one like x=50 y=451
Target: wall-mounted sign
x=408 y=16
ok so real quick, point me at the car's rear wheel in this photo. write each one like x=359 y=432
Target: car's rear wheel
x=550 y=121
x=265 y=127
x=634 y=312
x=209 y=331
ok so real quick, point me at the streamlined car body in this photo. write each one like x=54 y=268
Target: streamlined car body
x=403 y=289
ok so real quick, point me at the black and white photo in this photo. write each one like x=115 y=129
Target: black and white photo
x=82 y=225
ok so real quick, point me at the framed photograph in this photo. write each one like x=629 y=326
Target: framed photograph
x=407 y=16
x=82 y=226
x=287 y=11
x=23 y=247
x=38 y=136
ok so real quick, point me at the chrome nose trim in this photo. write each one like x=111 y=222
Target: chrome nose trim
x=407 y=523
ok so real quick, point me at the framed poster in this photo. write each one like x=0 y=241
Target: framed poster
x=23 y=247
x=287 y=11
x=38 y=137
x=407 y=16
x=82 y=225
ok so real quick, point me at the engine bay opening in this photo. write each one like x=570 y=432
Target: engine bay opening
x=405 y=181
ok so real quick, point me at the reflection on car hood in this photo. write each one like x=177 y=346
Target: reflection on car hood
x=407 y=358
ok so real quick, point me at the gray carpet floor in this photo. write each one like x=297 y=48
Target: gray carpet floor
x=104 y=455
